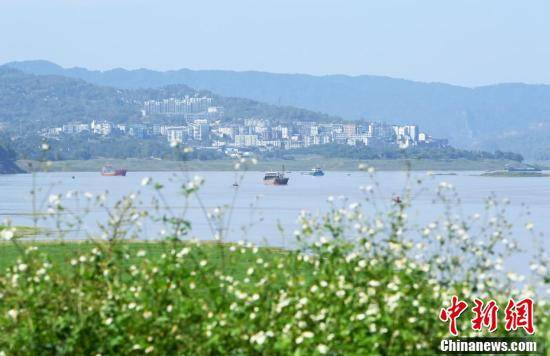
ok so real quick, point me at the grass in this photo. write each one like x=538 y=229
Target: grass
x=116 y=298
x=302 y=163
x=61 y=253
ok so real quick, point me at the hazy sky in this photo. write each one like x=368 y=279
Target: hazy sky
x=468 y=42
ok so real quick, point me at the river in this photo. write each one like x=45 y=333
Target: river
x=260 y=212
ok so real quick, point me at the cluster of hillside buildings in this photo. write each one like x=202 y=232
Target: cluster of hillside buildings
x=194 y=121
x=187 y=108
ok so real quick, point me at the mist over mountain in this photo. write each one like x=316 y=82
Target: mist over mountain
x=506 y=116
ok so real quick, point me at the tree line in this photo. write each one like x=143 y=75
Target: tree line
x=364 y=152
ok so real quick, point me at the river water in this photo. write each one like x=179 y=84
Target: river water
x=268 y=214
x=255 y=202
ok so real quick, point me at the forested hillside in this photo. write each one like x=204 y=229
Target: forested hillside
x=7 y=159
x=505 y=116
x=30 y=102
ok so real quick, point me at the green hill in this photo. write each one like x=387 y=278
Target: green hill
x=29 y=102
x=504 y=116
x=7 y=161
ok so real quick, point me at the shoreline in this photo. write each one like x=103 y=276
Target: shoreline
x=305 y=163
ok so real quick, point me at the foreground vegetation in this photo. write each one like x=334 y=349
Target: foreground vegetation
x=357 y=282
x=61 y=253
x=176 y=297
x=176 y=294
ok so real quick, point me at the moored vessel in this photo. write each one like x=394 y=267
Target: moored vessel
x=109 y=171
x=317 y=172
x=276 y=178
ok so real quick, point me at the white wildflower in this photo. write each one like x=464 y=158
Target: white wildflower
x=12 y=313
x=322 y=349
x=258 y=338
x=184 y=251
x=307 y=334
x=7 y=234
x=145 y=181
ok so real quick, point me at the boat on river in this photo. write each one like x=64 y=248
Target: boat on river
x=276 y=178
x=317 y=172
x=109 y=171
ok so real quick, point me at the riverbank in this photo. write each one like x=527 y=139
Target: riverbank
x=22 y=231
x=299 y=163
x=10 y=167
x=514 y=174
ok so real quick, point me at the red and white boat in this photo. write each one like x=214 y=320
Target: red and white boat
x=109 y=171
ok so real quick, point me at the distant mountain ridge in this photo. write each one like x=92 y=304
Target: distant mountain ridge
x=488 y=117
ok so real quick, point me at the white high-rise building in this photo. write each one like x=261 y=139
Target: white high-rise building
x=101 y=127
x=176 y=134
x=200 y=130
x=177 y=106
x=246 y=140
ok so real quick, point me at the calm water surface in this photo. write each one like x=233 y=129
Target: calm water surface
x=261 y=209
